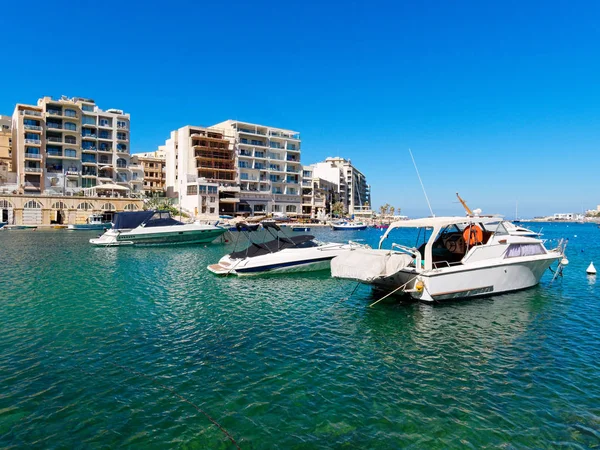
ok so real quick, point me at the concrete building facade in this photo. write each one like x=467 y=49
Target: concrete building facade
x=67 y=144
x=317 y=195
x=199 y=160
x=268 y=167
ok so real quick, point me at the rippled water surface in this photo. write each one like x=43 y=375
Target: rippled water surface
x=100 y=347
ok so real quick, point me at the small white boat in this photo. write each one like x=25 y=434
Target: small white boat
x=19 y=227
x=94 y=222
x=282 y=254
x=462 y=257
x=155 y=227
x=344 y=225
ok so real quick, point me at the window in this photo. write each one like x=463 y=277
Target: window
x=192 y=189
x=70 y=139
x=32 y=204
x=202 y=189
x=70 y=126
x=212 y=199
x=131 y=207
x=259 y=208
x=244 y=176
x=275 y=145
x=70 y=113
x=121 y=124
x=244 y=165
x=276 y=208
x=122 y=136
x=70 y=153
x=290 y=208
x=307 y=174
x=104 y=135
x=104 y=123
x=88 y=120
x=212 y=189
x=35 y=137
x=108 y=207
x=258 y=154
x=89 y=108
x=212 y=210
x=291 y=146
x=59 y=205
x=86 y=206
x=517 y=250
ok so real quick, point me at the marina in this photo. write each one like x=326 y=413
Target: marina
x=270 y=358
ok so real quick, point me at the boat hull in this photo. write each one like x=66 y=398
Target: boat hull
x=469 y=282
x=151 y=237
x=342 y=228
x=286 y=261
x=87 y=226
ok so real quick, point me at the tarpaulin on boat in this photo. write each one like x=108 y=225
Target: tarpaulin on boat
x=276 y=245
x=366 y=264
x=130 y=220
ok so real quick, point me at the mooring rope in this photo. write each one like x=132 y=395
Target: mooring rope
x=182 y=398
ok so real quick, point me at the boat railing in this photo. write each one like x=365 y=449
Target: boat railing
x=440 y=264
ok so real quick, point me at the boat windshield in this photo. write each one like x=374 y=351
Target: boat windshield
x=276 y=245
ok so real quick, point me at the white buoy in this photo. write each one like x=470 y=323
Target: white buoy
x=591 y=270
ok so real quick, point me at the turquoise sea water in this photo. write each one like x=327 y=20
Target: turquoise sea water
x=286 y=361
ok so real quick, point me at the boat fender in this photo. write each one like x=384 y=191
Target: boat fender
x=473 y=235
x=419 y=286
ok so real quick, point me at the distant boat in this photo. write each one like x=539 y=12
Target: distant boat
x=382 y=226
x=2 y=224
x=19 y=227
x=94 y=222
x=517 y=220
x=343 y=225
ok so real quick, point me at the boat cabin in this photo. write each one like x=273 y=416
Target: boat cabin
x=134 y=219
x=450 y=241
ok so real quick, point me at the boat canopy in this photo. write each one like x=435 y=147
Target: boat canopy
x=437 y=222
x=274 y=246
x=130 y=220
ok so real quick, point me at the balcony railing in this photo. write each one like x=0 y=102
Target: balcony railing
x=33 y=127
x=29 y=112
x=32 y=184
x=33 y=169
x=89 y=149
x=33 y=156
x=56 y=126
x=72 y=172
x=54 y=112
x=91 y=135
x=33 y=141
x=54 y=139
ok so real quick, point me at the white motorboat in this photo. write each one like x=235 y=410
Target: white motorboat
x=155 y=227
x=463 y=257
x=344 y=225
x=282 y=254
x=94 y=222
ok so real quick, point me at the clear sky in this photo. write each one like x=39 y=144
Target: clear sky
x=499 y=101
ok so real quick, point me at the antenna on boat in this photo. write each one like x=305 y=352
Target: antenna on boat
x=421 y=181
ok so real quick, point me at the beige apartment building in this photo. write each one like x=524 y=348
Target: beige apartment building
x=5 y=148
x=153 y=164
x=64 y=145
x=268 y=167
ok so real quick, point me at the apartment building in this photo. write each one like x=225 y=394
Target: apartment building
x=199 y=160
x=317 y=195
x=5 y=148
x=153 y=164
x=352 y=187
x=67 y=144
x=268 y=167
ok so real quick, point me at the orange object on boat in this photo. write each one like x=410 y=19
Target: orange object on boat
x=473 y=235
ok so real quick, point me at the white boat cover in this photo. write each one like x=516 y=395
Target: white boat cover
x=367 y=265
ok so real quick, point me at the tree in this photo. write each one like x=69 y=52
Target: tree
x=384 y=210
x=337 y=209
x=392 y=209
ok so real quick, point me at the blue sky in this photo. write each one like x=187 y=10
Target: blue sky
x=499 y=102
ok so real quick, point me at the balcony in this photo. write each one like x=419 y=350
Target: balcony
x=248 y=131
x=33 y=169
x=104 y=150
x=54 y=126
x=89 y=136
x=122 y=126
x=72 y=173
x=54 y=139
x=121 y=137
x=32 y=185
x=54 y=112
x=33 y=127
x=33 y=141
x=33 y=156
x=89 y=150
x=30 y=112
x=89 y=163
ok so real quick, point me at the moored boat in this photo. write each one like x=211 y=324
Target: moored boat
x=344 y=225
x=463 y=257
x=155 y=227
x=282 y=254
x=94 y=222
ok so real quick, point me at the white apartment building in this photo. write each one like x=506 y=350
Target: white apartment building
x=63 y=145
x=268 y=167
x=200 y=171
x=352 y=187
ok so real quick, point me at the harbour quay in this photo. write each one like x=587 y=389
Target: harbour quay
x=59 y=209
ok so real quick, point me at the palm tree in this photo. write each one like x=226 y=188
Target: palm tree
x=392 y=209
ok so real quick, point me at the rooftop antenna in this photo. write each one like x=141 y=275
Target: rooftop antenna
x=421 y=181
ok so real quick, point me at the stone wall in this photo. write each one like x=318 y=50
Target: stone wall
x=48 y=210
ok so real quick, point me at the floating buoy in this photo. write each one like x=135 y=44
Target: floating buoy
x=591 y=270
x=564 y=261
